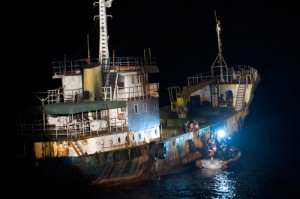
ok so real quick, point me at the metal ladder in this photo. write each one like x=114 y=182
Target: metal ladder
x=240 y=97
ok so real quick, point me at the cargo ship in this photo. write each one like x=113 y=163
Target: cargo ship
x=104 y=125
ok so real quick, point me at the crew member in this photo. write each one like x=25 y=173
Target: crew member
x=231 y=157
x=212 y=148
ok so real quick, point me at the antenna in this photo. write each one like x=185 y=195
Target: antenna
x=219 y=59
x=218 y=29
x=88 y=46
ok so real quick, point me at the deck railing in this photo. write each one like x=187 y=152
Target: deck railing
x=70 y=130
x=232 y=76
x=115 y=63
x=108 y=94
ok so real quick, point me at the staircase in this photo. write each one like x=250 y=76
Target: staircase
x=240 y=97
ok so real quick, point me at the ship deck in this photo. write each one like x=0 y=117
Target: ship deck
x=171 y=126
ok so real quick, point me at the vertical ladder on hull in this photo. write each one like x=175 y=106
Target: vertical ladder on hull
x=240 y=97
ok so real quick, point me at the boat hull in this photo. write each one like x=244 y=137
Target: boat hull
x=142 y=162
x=150 y=160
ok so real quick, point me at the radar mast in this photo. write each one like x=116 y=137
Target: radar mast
x=219 y=66
x=103 y=36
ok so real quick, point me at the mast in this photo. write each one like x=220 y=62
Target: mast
x=88 y=47
x=219 y=62
x=218 y=29
x=92 y=77
x=103 y=36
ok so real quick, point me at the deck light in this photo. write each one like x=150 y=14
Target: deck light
x=221 y=133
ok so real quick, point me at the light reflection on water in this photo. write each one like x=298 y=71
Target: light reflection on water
x=224 y=186
x=216 y=183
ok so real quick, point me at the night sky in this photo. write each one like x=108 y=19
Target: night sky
x=181 y=36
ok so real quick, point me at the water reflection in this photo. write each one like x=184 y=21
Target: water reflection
x=225 y=187
x=216 y=183
x=203 y=183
